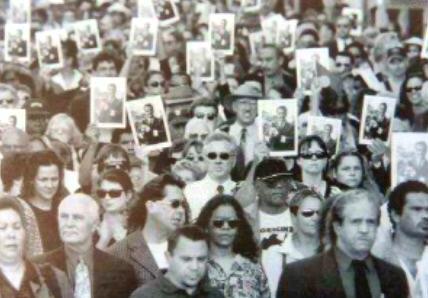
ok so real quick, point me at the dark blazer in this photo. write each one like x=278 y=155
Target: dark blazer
x=134 y=250
x=318 y=277
x=113 y=278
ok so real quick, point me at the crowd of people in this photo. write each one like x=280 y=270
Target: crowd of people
x=89 y=211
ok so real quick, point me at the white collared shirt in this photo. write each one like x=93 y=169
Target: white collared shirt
x=198 y=193
x=251 y=138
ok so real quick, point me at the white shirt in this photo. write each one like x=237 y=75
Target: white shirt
x=73 y=84
x=251 y=139
x=158 y=252
x=198 y=193
x=278 y=225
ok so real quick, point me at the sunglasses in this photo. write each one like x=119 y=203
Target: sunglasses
x=309 y=213
x=192 y=158
x=157 y=84
x=275 y=183
x=111 y=193
x=7 y=101
x=317 y=155
x=411 y=89
x=210 y=117
x=219 y=224
x=222 y=155
x=338 y=64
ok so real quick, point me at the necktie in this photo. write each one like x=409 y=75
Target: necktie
x=362 y=289
x=82 y=282
x=243 y=138
x=220 y=189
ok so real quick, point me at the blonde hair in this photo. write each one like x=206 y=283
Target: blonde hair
x=76 y=135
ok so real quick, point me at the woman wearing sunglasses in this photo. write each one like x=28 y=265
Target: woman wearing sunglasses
x=114 y=193
x=312 y=160
x=412 y=100
x=233 y=266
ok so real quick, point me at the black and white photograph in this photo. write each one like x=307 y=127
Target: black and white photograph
x=277 y=125
x=19 y=12
x=49 y=49
x=376 y=119
x=222 y=32
x=200 y=60
x=108 y=97
x=286 y=35
x=409 y=157
x=356 y=17
x=213 y=148
x=148 y=122
x=144 y=34
x=12 y=118
x=17 y=43
x=311 y=65
x=166 y=12
x=328 y=129
x=270 y=26
x=88 y=36
x=251 y=5
x=424 y=53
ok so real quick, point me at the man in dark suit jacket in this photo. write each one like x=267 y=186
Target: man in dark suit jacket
x=152 y=130
x=49 y=52
x=221 y=37
x=113 y=112
x=144 y=39
x=283 y=131
x=89 y=270
x=347 y=269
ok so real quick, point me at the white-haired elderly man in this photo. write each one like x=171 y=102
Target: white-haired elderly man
x=220 y=155
x=91 y=272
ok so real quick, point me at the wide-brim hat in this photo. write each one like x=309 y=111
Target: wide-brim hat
x=248 y=90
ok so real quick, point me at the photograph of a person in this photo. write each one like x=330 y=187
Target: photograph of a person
x=356 y=17
x=166 y=12
x=87 y=36
x=200 y=60
x=108 y=96
x=311 y=64
x=277 y=125
x=270 y=26
x=376 y=118
x=148 y=123
x=17 y=42
x=409 y=157
x=257 y=40
x=329 y=129
x=19 y=12
x=143 y=36
x=286 y=35
x=222 y=32
x=49 y=50
x=12 y=118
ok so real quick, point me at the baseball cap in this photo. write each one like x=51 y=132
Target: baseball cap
x=271 y=168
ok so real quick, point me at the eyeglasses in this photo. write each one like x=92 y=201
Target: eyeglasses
x=411 y=89
x=157 y=84
x=338 y=64
x=317 y=155
x=115 y=193
x=210 y=117
x=7 y=101
x=222 y=155
x=219 y=224
x=275 y=182
x=194 y=158
x=309 y=213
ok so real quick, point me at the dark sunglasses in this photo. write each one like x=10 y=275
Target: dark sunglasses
x=192 y=158
x=275 y=182
x=157 y=84
x=309 y=213
x=222 y=155
x=410 y=89
x=219 y=224
x=208 y=116
x=342 y=64
x=317 y=155
x=111 y=193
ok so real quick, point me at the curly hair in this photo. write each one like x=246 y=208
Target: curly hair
x=244 y=243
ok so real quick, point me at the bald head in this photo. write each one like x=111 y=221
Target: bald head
x=14 y=140
x=78 y=218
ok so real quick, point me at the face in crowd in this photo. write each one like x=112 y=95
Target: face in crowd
x=12 y=236
x=220 y=159
x=349 y=171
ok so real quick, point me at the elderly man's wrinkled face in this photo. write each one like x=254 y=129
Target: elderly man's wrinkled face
x=246 y=110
